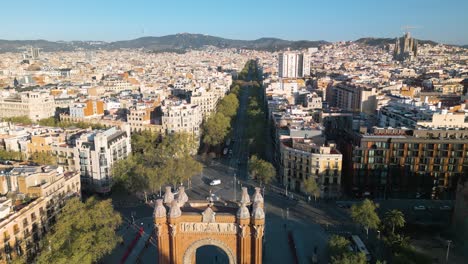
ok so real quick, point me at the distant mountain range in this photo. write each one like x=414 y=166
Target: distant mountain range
x=179 y=43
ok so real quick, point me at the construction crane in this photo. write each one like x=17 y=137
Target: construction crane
x=407 y=28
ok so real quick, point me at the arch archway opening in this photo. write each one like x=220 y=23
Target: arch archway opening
x=211 y=254
x=190 y=255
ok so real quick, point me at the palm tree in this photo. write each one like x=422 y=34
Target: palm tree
x=394 y=218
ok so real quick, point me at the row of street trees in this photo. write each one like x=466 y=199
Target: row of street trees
x=397 y=245
x=41 y=158
x=259 y=169
x=52 y=122
x=217 y=126
x=156 y=161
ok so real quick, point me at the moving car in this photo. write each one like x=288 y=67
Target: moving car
x=215 y=182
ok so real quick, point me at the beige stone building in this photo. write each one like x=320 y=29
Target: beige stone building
x=181 y=117
x=35 y=105
x=206 y=100
x=35 y=195
x=139 y=119
x=301 y=158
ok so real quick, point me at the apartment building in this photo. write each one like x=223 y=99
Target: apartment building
x=43 y=142
x=35 y=194
x=301 y=158
x=291 y=64
x=206 y=100
x=88 y=109
x=179 y=116
x=96 y=152
x=35 y=105
x=357 y=98
x=390 y=162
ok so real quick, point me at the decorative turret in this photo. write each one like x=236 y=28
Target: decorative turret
x=257 y=211
x=159 y=210
x=168 y=195
x=182 y=197
x=243 y=212
x=245 y=199
x=257 y=197
x=174 y=211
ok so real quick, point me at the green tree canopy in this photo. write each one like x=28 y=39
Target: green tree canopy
x=394 y=218
x=311 y=187
x=365 y=215
x=228 y=105
x=84 y=233
x=350 y=258
x=154 y=163
x=338 y=248
x=261 y=170
x=338 y=245
x=215 y=129
x=144 y=141
x=19 y=119
x=11 y=155
x=43 y=158
x=51 y=122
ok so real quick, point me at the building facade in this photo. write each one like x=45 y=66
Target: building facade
x=96 y=152
x=290 y=64
x=35 y=105
x=181 y=117
x=35 y=195
x=406 y=163
x=91 y=108
x=302 y=158
x=356 y=98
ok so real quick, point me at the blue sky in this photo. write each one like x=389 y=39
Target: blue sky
x=333 y=20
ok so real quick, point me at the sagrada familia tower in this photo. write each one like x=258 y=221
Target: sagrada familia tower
x=406 y=48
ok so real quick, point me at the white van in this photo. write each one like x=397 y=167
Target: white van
x=215 y=182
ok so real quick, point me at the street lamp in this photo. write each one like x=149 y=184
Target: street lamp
x=235 y=190
x=448 y=250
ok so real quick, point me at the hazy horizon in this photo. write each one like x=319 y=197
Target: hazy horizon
x=180 y=33
x=440 y=21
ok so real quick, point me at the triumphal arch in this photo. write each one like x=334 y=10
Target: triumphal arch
x=183 y=226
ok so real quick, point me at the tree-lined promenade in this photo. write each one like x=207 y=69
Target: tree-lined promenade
x=156 y=161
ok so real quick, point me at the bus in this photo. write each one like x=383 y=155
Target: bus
x=360 y=247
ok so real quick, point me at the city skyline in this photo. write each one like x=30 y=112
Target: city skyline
x=116 y=20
